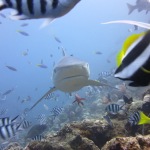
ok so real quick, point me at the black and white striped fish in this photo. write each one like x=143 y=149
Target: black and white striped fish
x=134 y=60
x=113 y=109
x=7 y=131
x=25 y=125
x=56 y=111
x=6 y=121
x=37 y=138
x=134 y=118
x=138 y=118
x=33 y=9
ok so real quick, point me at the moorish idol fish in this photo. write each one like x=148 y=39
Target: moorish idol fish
x=133 y=60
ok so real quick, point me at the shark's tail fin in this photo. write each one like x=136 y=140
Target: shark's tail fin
x=3 y=5
x=131 y=8
x=47 y=93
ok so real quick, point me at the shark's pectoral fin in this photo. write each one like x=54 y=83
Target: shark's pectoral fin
x=47 y=93
x=98 y=83
x=94 y=83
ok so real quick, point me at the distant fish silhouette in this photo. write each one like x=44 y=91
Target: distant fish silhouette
x=25 y=53
x=11 y=68
x=57 y=39
x=41 y=65
x=98 y=52
x=8 y=92
x=24 y=24
x=23 y=33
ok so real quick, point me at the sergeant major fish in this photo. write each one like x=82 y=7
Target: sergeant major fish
x=37 y=138
x=6 y=121
x=8 y=131
x=56 y=111
x=113 y=109
x=138 y=118
x=33 y=9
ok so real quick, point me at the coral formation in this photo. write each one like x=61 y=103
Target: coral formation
x=128 y=143
x=92 y=135
x=88 y=134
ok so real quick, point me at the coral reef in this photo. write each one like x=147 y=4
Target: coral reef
x=92 y=135
x=85 y=135
x=128 y=143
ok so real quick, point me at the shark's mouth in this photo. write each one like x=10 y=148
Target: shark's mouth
x=74 y=76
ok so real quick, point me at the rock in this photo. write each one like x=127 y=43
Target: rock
x=128 y=143
x=88 y=135
x=92 y=135
x=14 y=146
x=136 y=105
x=146 y=96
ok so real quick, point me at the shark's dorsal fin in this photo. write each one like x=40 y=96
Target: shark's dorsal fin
x=50 y=91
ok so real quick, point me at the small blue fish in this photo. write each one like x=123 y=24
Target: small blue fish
x=24 y=25
x=8 y=92
x=23 y=33
x=98 y=52
x=57 y=39
x=11 y=68
x=41 y=65
x=25 y=53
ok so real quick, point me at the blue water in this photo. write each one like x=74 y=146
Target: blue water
x=81 y=34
